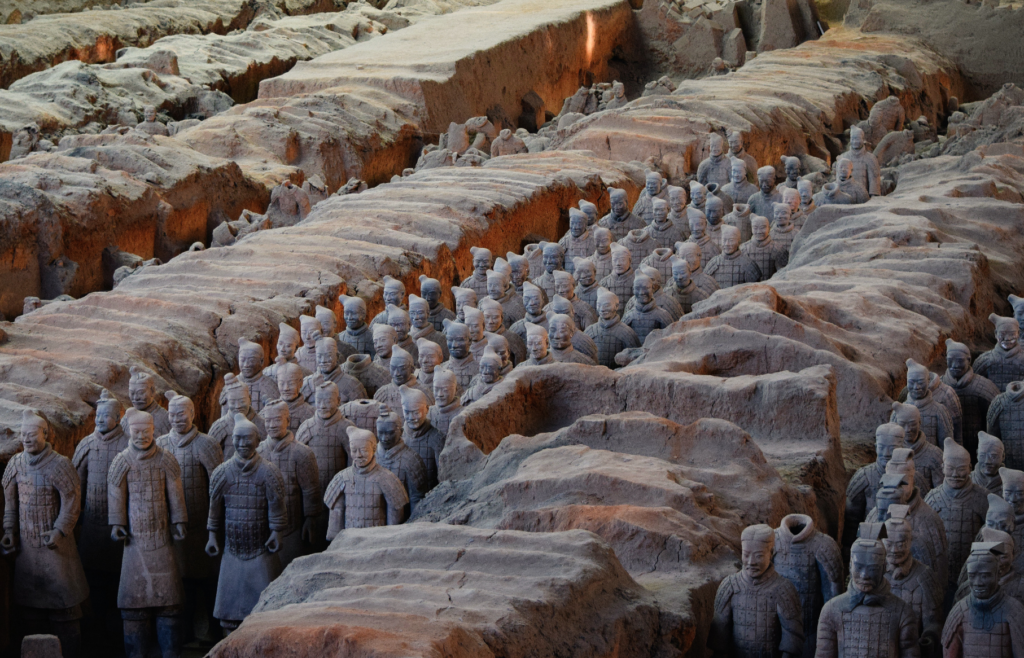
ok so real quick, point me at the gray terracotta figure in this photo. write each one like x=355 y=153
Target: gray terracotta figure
x=403 y=373
x=329 y=370
x=493 y=315
x=423 y=438
x=289 y=383
x=1013 y=494
x=860 y=492
x=490 y=375
x=783 y=231
x=261 y=387
x=867 y=620
x=364 y=495
x=739 y=188
x=646 y=316
x=585 y=274
x=553 y=259
x=847 y=183
x=609 y=333
x=714 y=211
x=520 y=273
x=806 y=191
x=761 y=248
x=961 y=505
x=737 y=151
x=565 y=286
x=683 y=288
x=661 y=260
x=147 y=513
x=394 y=455
x=927 y=457
x=740 y=218
x=369 y=374
x=763 y=201
x=865 y=165
x=507 y=143
x=831 y=194
x=447 y=404
x=602 y=256
x=811 y=560
x=383 y=342
x=1010 y=578
x=661 y=296
x=499 y=345
x=473 y=318
x=143 y=396
x=936 y=423
x=100 y=557
x=910 y=580
x=461 y=363
x=1017 y=303
x=288 y=341
x=501 y=290
x=309 y=333
x=654 y=189
x=579 y=241
x=301 y=476
x=791 y=166
x=732 y=267
x=1006 y=422
x=987 y=623
x=537 y=346
x=533 y=300
x=974 y=392
x=247 y=505
x=477 y=281
x=431 y=357
x=620 y=220
x=677 y=205
x=562 y=328
x=581 y=342
x=362 y=413
x=198 y=455
x=757 y=611
x=42 y=502
x=398 y=319
x=620 y=281
x=326 y=435
x=928 y=389
x=590 y=210
x=463 y=297
x=394 y=295
x=663 y=231
x=357 y=333
x=709 y=248
x=329 y=329
x=149 y=123
x=640 y=245
x=1004 y=363
x=422 y=329
x=698 y=196
x=430 y=290
x=991 y=456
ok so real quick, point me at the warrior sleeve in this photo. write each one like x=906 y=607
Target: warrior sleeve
x=117 y=491
x=791 y=619
x=720 y=635
x=334 y=498
x=65 y=481
x=945 y=424
x=992 y=419
x=175 y=490
x=395 y=495
x=1015 y=616
x=931 y=611
x=81 y=464
x=874 y=177
x=278 y=510
x=909 y=646
x=953 y=632
x=713 y=266
x=827 y=643
x=856 y=499
x=309 y=481
x=218 y=482
x=830 y=566
x=11 y=495
x=210 y=455
x=416 y=479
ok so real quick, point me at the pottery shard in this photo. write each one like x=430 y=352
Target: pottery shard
x=434 y=589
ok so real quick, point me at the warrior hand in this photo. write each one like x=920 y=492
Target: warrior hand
x=928 y=640
x=50 y=538
x=307 y=529
x=119 y=533
x=9 y=543
x=179 y=531
x=212 y=548
x=273 y=544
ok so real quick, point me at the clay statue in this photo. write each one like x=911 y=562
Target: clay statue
x=493 y=315
x=431 y=357
x=590 y=210
x=499 y=345
x=586 y=282
x=329 y=370
x=1017 y=303
x=732 y=267
x=262 y=388
x=847 y=183
x=461 y=362
x=477 y=281
x=507 y=143
x=639 y=243
x=791 y=198
x=609 y=333
x=533 y=301
x=198 y=455
x=537 y=346
x=491 y=365
x=811 y=560
x=421 y=328
x=927 y=457
x=402 y=371
x=288 y=341
x=998 y=521
x=384 y=338
x=398 y=319
x=581 y=342
x=987 y=622
x=394 y=455
x=501 y=290
x=562 y=329
x=990 y=460
x=947 y=398
x=683 y=289
x=714 y=168
x=1006 y=422
x=247 y=503
x=737 y=151
x=961 y=505
x=362 y=413
x=394 y=295
x=805 y=189
x=660 y=260
x=1013 y=493
x=582 y=313
x=620 y=220
x=764 y=200
x=329 y=329
x=739 y=188
x=714 y=210
x=289 y=205
x=699 y=237
x=698 y=197
x=289 y=382
x=618 y=97
x=309 y=333
x=423 y=438
x=301 y=477
x=865 y=165
x=149 y=123
x=620 y=281
x=369 y=374
x=791 y=166
x=692 y=254
x=662 y=297
x=578 y=242
x=325 y=434
x=447 y=404
x=553 y=258
x=430 y=290
x=463 y=297
x=867 y=619
x=42 y=501
x=647 y=315
x=145 y=500
x=757 y=611
x=768 y=256
x=860 y=492
x=936 y=423
x=909 y=579
x=663 y=231
x=364 y=495
x=654 y=188
x=831 y=194
x=520 y=267
x=677 y=209
x=143 y=396
x=783 y=231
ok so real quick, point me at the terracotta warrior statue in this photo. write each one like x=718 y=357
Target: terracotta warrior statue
x=520 y=270
x=860 y=492
x=991 y=456
x=247 y=504
x=422 y=329
x=403 y=373
x=364 y=495
x=791 y=165
x=430 y=290
x=732 y=267
x=927 y=457
x=791 y=198
x=147 y=513
x=812 y=561
x=579 y=241
x=369 y=374
x=783 y=231
x=620 y=220
x=646 y=316
x=714 y=211
x=553 y=259
x=910 y=580
x=398 y=319
x=587 y=282
x=867 y=620
x=42 y=501
x=499 y=345
x=501 y=290
x=447 y=404
x=590 y=210
x=663 y=231
x=763 y=201
x=609 y=333
x=477 y=281
x=757 y=611
x=974 y=392
x=1017 y=303
x=461 y=363
x=563 y=328
x=289 y=383
x=715 y=167
x=326 y=434
x=464 y=297
x=662 y=297
x=698 y=197
x=660 y=260
x=534 y=301
x=261 y=387
x=1006 y=422
x=739 y=188
x=394 y=455
x=806 y=191
x=288 y=341
x=847 y=183
x=987 y=622
x=581 y=343
x=394 y=295
x=384 y=338
x=329 y=370
x=699 y=237
x=422 y=438
x=143 y=396
x=768 y=256
x=329 y=329
x=639 y=243
x=537 y=346
x=357 y=333
x=431 y=357
x=620 y=281
x=309 y=333
x=493 y=315
x=936 y=423
x=1013 y=493
x=149 y=123
x=301 y=476
x=1004 y=363
x=740 y=218
x=602 y=256
x=654 y=188
x=831 y=194
x=737 y=151
x=865 y=165
x=683 y=288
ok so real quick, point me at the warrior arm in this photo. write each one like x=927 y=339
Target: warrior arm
x=791 y=620
x=874 y=177
x=830 y=566
x=827 y=643
x=117 y=492
x=11 y=497
x=992 y=419
x=309 y=482
x=175 y=490
x=277 y=508
x=65 y=481
x=909 y=645
x=720 y=635
x=953 y=633
x=395 y=495
x=218 y=482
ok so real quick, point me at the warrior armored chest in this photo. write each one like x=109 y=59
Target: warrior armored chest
x=329 y=445
x=868 y=631
x=994 y=643
x=286 y=460
x=38 y=503
x=195 y=482
x=763 y=257
x=1011 y=429
x=365 y=505
x=147 y=503
x=246 y=520
x=930 y=421
x=644 y=322
x=609 y=341
x=755 y=622
x=101 y=453
x=796 y=562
